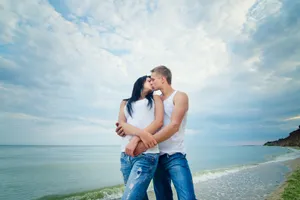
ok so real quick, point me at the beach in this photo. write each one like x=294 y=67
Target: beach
x=275 y=195
x=293 y=165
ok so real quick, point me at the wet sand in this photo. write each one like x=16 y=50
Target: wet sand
x=293 y=165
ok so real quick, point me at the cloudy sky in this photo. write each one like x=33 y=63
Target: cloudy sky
x=66 y=65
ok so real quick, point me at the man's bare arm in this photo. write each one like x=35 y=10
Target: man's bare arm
x=181 y=106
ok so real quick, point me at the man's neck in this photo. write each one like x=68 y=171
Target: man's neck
x=167 y=91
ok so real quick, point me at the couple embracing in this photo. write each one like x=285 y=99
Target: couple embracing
x=152 y=146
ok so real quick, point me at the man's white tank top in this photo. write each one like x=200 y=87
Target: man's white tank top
x=142 y=116
x=174 y=144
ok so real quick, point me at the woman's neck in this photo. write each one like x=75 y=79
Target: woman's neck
x=143 y=95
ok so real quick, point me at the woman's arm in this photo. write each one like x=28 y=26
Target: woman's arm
x=122 y=118
x=128 y=129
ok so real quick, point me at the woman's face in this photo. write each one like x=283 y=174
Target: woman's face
x=147 y=85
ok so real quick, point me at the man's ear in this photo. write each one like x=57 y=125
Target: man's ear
x=163 y=79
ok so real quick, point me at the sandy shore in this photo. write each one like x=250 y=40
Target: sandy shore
x=276 y=195
x=293 y=165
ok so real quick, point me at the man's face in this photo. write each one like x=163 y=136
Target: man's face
x=156 y=81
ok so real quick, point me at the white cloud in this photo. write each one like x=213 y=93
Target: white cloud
x=82 y=62
x=264 y=9
x=293 y=118
x=22 y=116
x=5 y=63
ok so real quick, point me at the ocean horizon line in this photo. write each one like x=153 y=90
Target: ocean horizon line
x=59 y=145
x=113 y=145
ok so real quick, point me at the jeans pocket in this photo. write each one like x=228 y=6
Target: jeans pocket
x=178 y=159
x=177 y=156
x=122 y=158
x=124 y=161
x=151 y=158
x=147 y=162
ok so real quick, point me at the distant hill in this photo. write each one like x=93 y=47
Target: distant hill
x=292 y=140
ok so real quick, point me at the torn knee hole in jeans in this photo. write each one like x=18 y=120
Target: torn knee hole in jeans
x=138 y=173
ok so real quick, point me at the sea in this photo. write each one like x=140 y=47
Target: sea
x=93 y=172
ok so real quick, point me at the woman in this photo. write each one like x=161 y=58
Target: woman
x=139 y=116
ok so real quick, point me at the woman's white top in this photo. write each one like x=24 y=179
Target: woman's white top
x=142 y=116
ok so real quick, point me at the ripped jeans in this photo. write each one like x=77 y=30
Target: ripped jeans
x=137 y=173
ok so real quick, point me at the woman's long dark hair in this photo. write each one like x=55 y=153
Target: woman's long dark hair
x=136 y=94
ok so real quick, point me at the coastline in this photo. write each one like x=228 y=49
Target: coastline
x=277 y=194
x=274 y=192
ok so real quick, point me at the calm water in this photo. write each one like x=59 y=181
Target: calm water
x=30 y=172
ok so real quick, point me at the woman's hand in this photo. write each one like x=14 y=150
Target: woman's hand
x=148 y=139
x=119 y=130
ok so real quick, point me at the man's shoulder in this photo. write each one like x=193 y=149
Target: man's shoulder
x=181 y=94
x=180 y=97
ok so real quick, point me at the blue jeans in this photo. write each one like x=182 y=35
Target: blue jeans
x=137 y=173
x=173 y=167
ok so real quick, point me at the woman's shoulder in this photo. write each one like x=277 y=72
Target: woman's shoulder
x=123 y=102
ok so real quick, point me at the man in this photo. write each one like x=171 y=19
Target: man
x=173 y=164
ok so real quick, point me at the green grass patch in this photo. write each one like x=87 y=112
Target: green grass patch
x=87 y=195
x=292 y=190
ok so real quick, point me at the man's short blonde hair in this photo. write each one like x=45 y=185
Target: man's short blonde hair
x=164 y=71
